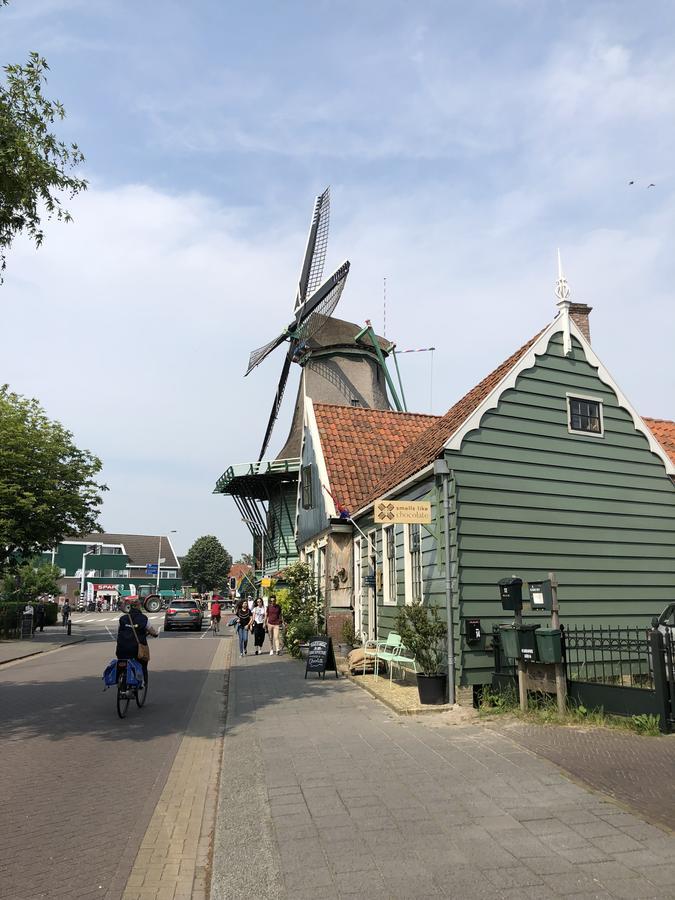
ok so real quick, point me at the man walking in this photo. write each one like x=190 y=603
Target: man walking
x=274 y=621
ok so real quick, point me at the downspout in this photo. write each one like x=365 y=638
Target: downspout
x=441 y=468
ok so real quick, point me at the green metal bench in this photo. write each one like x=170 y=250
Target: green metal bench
x=390 y=651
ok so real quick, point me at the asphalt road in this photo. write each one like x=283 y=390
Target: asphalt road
x=77 y=784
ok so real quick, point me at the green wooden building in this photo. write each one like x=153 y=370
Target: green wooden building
x=548 y=467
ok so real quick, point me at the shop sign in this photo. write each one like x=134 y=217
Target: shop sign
x=402 y=512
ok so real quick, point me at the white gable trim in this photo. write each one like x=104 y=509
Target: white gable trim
x=321 y=470
x=527 y=361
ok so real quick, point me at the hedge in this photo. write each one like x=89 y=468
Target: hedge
x=10 y=618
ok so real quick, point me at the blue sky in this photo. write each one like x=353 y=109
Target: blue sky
x=463 y=144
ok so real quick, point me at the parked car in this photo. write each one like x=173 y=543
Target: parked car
x=183 y=614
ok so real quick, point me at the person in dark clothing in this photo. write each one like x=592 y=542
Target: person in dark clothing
x=244 y=618
x=40 y=615
x=127 y=645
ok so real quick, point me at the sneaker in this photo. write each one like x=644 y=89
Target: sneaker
x=271 y=652
x=256 y=652
x=241 y=655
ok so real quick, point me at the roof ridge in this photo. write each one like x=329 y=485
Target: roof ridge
x=360 y=410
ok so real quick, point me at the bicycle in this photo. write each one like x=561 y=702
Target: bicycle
x=125 y=694
x=215 y=625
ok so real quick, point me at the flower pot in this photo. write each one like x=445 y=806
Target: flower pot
x=304 y=650
x=432 y=689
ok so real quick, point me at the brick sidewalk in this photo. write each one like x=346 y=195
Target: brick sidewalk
x=42 y=642
x=340 y=797
x=174 y=859
x=637 y=771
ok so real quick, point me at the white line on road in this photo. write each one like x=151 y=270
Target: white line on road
x=112 y=638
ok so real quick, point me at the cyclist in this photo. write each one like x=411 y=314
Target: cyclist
x=127 y=643
x=215 y=615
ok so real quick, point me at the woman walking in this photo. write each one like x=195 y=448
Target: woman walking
x=244 y=618
x=259 y=625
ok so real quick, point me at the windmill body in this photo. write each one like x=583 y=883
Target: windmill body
x=336 y=368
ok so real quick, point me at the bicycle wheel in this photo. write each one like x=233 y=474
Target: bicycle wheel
x=142 y=693
x=122 y=697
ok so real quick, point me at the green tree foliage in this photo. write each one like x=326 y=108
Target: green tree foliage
x=35 y=167
x=206 y=564
x=301 y=605
x=247 y=559
x=48 y=489
x=424 y=636
x=29 y=581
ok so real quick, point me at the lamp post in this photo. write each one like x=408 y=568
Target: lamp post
x=159 y=554
x=84 y=556
x=262 y=542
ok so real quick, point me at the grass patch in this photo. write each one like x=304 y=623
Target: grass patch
x=543 y=710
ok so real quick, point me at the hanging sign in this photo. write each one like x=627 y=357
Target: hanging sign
x=321 y=658
x=402 y=512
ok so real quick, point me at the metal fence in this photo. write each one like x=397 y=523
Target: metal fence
x=609 y=654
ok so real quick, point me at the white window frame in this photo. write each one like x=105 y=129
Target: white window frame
x=407 y=549
x=389 y=592
x=572 y=395
x=358 y=588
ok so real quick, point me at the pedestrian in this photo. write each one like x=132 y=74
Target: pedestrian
x=244 y=618
x=259 y=625
x=40 y=614
x=65 y=612
x=274 y=620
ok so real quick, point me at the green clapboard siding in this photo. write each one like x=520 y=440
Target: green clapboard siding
x=531 y=497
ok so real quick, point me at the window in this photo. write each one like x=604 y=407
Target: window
x=389 y=540
x=167 y=573
x=415 y=552
x=584 y=415
x=306 y=484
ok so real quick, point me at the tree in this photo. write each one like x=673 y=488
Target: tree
x=28 y=582
x=247 y=559
x=206 y=564
x=35 y=167
x=48 y=489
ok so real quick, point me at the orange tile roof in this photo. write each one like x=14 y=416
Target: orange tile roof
x=664 y=432
x=361 y=445
x=428 y=446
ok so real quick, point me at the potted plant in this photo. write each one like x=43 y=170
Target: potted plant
x=348 y=637
x=424 y=637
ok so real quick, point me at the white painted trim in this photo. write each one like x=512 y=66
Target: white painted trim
x=527 y=361
x=592 y=434
x=407 y=567
x=358 y=586
x=321 y=470
x=386 y=585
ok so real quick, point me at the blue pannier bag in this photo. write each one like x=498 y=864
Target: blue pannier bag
x=110 y=674
x=134 y=673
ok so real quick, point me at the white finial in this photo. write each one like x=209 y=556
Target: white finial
x=562 y=288
x=562 y=292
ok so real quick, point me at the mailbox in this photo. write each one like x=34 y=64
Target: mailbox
x=473 y=632
x=541 y=594
x=511 y=593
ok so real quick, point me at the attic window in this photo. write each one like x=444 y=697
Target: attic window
x=306 y=485
x=584 y=415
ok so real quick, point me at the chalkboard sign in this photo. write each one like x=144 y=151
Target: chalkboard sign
x=321 y=658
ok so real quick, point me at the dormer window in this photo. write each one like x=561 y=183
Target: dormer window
x=584 y=415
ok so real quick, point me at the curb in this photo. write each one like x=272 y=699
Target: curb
x=39 y=652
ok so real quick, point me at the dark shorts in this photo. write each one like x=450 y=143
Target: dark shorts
x=215 y=618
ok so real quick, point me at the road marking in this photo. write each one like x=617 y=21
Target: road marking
x=112 y=638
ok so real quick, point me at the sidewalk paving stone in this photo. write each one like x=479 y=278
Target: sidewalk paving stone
x=351 y=799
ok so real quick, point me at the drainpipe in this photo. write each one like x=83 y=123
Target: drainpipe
x=441 y=468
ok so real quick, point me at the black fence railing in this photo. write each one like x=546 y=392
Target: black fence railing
x=609 y=654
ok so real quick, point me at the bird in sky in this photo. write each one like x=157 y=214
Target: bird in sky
x=651 y=185
x=631 y=182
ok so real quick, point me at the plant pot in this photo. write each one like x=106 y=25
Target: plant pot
x=304 y=650
x=344 y=649
x=432 y=689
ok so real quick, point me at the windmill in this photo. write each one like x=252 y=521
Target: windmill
x=313 y=306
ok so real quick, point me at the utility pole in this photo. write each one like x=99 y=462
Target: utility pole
x=560 y=679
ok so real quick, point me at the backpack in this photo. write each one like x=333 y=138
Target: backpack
x=110 y=674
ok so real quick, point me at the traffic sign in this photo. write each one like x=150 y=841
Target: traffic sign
x=151 y=569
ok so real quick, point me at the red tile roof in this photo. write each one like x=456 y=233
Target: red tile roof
x=664 y=432
x=238 y=570
x=361 y=445
x=428 y=446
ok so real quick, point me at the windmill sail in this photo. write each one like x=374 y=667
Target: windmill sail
x=276 y=406
x=315 y=252
x=258 y=355
x=322 y=305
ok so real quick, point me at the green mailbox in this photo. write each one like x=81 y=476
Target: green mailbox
x=509 y=641
x=549 y=645
x=519 y=642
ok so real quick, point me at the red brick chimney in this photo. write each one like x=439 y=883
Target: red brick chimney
x=579 y=313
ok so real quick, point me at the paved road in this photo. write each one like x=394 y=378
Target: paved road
x=78 y=786
x=349 y=799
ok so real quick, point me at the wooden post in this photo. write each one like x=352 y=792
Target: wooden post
x=560 y=677
x=522 y=688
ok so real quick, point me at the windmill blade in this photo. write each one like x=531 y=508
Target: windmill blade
x=258 y=355
x=321 y=305
x=276 y=406
x=315 y=252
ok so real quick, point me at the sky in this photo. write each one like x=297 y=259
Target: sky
x=464 y=143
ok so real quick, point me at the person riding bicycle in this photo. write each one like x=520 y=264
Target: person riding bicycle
x=215 y=615
x=127 y=643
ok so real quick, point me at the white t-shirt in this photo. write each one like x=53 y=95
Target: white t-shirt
x=258 y=614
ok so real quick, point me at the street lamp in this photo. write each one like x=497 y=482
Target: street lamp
x=160 y=560
x=262 y=541
x=84 y=555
